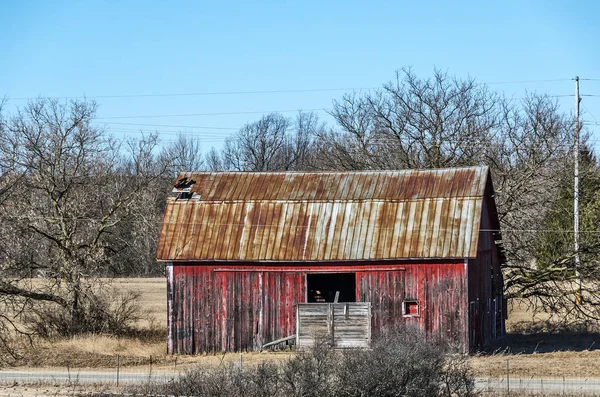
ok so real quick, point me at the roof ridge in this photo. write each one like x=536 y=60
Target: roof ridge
x=392 y=200
x=297 y=172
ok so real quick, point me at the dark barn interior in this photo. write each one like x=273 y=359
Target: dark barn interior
x=322 y=287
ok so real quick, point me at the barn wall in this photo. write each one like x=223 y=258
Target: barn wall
x=214 y=310
x=441 y=293
x=486 y=303
x=215 y=307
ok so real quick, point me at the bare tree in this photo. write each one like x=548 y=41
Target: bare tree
x=272 y=143
x=135 y=247
x=339 y=150
x=529 y=148
x=259 y=146
x=214 y=161
x=185 y=154
x=76 y=186
x=443 y=121
x=419 y=123
x=306 y=127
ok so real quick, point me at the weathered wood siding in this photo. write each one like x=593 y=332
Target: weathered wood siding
x=236 y=307
x=345 y=325
x=213 y=310
x=418 y=245
x=441 y=293
x=486 y=295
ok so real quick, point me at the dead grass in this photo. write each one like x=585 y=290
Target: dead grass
x=96 y=351
x=30 y=390
x=533 y=349
x=570 y=364
x=100 y=351
x=537 y=355
x=519 y=315
x=153 y=297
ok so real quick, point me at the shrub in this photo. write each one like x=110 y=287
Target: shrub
x=403 y=363
x=457 y=378
x=101 y=311
x=400 y=363
x=223 y=381
x=311 y=373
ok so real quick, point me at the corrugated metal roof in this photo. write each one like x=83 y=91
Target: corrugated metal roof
x=324 y=216
x=364 y=185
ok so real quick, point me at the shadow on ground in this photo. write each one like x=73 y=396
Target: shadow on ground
x=542 y=337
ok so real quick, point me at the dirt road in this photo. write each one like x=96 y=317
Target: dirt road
x=113 y=379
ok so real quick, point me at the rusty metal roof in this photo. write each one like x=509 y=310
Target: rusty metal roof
x=323 y=216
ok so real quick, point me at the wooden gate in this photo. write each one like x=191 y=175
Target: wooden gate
x=345 y=325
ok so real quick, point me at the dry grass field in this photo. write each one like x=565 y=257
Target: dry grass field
x=529 y=355
x=153 y=297
x=533 y=354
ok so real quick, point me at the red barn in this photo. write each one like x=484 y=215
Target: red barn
x=243 y=249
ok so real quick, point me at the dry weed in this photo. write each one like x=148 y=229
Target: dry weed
x=540 y=356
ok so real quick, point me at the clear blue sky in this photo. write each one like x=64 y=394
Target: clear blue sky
x=110 y=48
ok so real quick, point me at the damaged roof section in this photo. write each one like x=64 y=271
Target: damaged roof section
x=323 y=216
x=362 y=185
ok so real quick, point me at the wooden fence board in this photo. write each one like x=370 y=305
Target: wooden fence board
x=345 y=325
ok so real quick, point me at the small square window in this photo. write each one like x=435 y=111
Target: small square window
x=410 y=308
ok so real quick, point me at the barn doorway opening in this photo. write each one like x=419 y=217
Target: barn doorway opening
x=322 y=287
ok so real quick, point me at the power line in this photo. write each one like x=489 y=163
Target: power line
x=590 y=113
x=562 y=148
x=254 y=92
x=212 y=114
x=528 y=81
x=215 y=134
x=550 y=96
x=248 y=112
x=283 y=91
x=273 y=225
x=171 y=126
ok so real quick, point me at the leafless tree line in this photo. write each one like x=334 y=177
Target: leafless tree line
x=77 y=204
x=443 y=121
x=273 y=143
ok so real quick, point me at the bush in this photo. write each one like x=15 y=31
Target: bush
x=101 y=311
x=399 y=364
x=311 y=373
x=403 y=363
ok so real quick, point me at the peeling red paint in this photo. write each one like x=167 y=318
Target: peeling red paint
x=241 y=308
x=239 y=253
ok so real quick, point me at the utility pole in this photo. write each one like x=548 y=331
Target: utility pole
x=576 y=194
